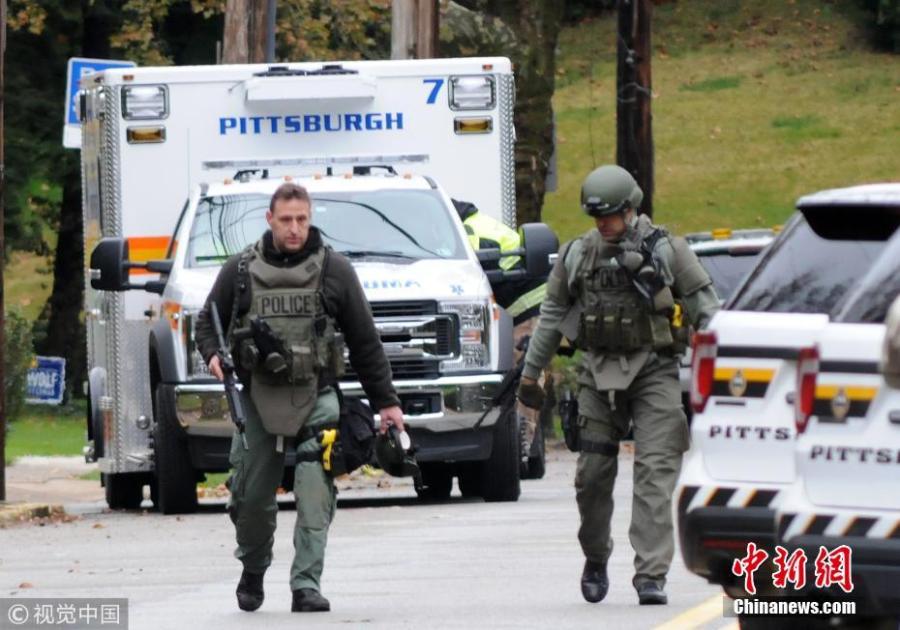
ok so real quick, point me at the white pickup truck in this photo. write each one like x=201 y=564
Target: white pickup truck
x=744 y=372
x=178 y=164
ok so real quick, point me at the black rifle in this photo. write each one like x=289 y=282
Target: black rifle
x=235 y=406
x=508 y=385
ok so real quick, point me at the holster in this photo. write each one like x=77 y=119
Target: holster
x=568 y=412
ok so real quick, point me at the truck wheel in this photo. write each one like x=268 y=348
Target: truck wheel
x=438 y=481
x=501 y=471
x=536 y=467
x=470 y=480
x=176 y=481
x=124 y=491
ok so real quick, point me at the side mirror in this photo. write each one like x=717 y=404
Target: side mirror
x=539 y=243
x=109 y=265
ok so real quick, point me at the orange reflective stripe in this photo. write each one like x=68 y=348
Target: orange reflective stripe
x=144 y=248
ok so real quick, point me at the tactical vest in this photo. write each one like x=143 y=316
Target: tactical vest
x=289 y=303
x=615 y=317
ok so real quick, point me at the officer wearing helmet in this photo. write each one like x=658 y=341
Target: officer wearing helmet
x=626 y=293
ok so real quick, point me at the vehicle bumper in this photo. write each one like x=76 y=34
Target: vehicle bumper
x=440 y=415
x=712 y=537
x=875 y=566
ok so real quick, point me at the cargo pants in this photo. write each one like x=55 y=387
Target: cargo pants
x=256 y=474
x=653 y=405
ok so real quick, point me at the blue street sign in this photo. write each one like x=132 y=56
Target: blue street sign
x=46 y=381
x=80 y=68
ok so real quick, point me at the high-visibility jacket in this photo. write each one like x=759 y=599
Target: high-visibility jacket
x=485 y=232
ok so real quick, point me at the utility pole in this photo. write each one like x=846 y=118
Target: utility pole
x=414 y=29
x=249 y=35
x=634 y=122
x=2 y=262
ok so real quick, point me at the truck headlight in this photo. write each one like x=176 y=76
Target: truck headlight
x=145 y=102
x=472 y=92
x=474 y=324
x=196 y=366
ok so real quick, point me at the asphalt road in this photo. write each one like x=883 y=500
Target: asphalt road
x=391 y=563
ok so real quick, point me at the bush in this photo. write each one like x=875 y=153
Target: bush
x=18 y=356
x=887 y=23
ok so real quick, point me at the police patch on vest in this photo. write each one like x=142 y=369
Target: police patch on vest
x=288 y=304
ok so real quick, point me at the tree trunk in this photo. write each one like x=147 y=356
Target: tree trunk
x=246 y=27
x=536 y=24
x=65 y=328
x=66 y=335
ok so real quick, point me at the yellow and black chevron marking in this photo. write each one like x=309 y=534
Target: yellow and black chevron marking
x=693 y=497
x=742 y=382
x=835 y=403
x=791 y=525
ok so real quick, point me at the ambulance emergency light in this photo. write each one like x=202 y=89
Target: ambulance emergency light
x=471 y=92
x=145 y=102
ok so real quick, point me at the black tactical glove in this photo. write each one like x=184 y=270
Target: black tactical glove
x=530 y=394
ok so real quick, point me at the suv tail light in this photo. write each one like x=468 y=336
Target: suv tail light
x=807 y=371
x=703 y=366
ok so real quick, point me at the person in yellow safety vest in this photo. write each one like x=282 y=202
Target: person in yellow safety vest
x=521 y=298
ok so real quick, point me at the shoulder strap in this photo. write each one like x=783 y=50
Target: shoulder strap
x=241 y=282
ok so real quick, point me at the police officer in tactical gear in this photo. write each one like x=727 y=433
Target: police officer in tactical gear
x=303 y=298
x=521 y=298
x=626 y=294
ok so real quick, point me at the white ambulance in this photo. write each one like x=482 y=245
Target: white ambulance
x=178 y=165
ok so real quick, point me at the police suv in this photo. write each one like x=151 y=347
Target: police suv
x=744 y=370
x=381 y=146
x=847 y=454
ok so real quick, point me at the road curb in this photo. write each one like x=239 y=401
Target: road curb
x=11 y=513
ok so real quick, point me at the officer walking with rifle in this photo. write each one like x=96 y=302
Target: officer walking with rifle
x=288 y=302
x=626 y=294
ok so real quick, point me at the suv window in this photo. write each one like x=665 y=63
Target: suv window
x=726 y=270
x=868 y=303
x=411 y=224
x=806 y=272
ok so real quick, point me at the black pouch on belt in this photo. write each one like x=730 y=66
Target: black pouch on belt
x=568 y=412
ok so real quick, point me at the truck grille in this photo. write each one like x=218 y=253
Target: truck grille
x=405 y=308
x=402 y=369
x=416 y=338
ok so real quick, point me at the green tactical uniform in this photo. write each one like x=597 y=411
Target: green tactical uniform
x=295 y=294
x=629 y=372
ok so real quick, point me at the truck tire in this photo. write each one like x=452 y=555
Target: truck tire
x=536 y=463
x=438 y=480
x=124 y=491
x=500 y=472
x=176 y=480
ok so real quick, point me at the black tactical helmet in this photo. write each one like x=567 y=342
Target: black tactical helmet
x=608 y=190
x=394 y=453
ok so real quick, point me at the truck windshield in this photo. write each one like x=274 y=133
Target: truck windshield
x=393 y=224
x=803 y=272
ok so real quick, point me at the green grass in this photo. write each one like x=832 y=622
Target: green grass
x=28 y=281
x=713 y=84
x=44 y=430
x=756 y=102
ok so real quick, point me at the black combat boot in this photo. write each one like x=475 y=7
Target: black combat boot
x=309 y=600
x=594 y=581
x=651 y=593
x=250 y=591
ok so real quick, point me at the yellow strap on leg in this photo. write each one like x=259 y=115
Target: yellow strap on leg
x=327 y=439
